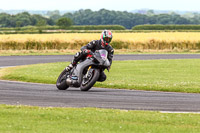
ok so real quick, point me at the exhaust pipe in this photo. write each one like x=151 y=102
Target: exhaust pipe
x=72 y=82
x=69 y=81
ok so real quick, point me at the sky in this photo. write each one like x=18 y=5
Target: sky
x=119 y=5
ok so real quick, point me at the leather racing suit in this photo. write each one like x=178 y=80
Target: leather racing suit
x=93 y=46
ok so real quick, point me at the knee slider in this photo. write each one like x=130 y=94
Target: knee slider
x=77 y=55
x=102 y=78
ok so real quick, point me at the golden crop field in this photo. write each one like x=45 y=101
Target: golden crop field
x=136 y=41
x=134 y=37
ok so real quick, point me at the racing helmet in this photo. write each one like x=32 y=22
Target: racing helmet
x=106 y=37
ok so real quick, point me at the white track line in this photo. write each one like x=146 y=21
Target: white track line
x=178 y=112
x=6 y=66
x=9 y=81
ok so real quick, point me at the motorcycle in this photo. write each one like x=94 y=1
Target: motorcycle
x=86 y=73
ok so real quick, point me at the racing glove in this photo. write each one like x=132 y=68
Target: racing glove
x=86 y=51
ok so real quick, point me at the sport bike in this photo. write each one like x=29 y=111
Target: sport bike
x=86 y=73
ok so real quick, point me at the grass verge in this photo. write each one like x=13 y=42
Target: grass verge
x=156 y=75
x=72 y=52
x=40 y=119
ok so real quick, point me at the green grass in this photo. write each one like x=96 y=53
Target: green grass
x=157 y=75
x=71 y=52
x=59 y=120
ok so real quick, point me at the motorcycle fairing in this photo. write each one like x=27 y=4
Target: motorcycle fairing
x=78 y=71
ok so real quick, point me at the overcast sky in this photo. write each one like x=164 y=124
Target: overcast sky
x=121 y=5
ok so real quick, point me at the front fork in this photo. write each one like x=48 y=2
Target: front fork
x=88 y=71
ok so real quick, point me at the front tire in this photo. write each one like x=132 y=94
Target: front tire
x=95 y=76
x=61 y=81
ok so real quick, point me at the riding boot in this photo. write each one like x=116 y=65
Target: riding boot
x=68 y=68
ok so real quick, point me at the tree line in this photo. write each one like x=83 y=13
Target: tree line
x=101 y=17
x=127 y=19
x=23 y=19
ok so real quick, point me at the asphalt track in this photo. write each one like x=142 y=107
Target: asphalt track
x=20 y=93
x=25 y=60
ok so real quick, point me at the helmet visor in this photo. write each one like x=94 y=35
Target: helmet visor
x=107 y=39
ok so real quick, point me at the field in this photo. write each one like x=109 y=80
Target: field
x=157 y=75
x=39 y=119
x=133 y=37
x=135 y=42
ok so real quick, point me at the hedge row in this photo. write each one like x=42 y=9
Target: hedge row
x=77 y=44
x=110 y=27
x=166 y=27
x=75 y=27
x=97 y=27
x=89 y=31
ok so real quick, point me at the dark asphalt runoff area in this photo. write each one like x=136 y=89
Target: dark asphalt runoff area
x=20 y=93
x=26 y=60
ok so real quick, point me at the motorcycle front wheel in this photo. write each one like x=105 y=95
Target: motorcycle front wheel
x=89 y=81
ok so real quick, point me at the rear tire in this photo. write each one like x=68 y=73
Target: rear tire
x=61 y=81
x=95 y=77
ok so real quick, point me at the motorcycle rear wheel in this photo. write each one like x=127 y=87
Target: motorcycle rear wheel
x=61 y=81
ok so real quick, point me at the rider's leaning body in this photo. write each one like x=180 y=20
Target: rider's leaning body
x=92 y=46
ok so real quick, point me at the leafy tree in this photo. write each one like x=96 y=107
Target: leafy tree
x=5 y=20
x=24 y=17
x=41 y=23
x=18 y=23
x=64 y=22
x=55 y=17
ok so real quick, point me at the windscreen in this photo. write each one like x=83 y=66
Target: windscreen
x=103 y=54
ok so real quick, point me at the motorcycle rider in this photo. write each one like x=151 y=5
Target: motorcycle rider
x=92 y=46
